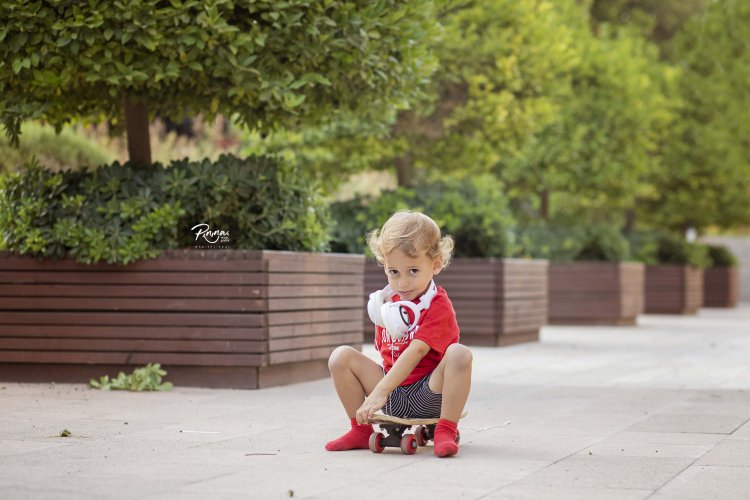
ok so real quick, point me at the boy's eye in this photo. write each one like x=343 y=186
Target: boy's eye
x=392 y=272
x=413 y=271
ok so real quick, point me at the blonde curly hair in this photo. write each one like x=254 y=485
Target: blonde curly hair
x=413 y=233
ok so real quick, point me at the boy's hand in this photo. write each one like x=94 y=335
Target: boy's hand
x=373 y=403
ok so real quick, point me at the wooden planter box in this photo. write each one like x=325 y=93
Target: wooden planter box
x=721 y=287
x=673 y=289
x=598 y=293
x=497 y=301
x=217 y=318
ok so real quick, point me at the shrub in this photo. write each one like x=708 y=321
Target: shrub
x=573 y=243
x=474 y=211
x=659 y=247
x=720 y=256
x=123 y=213
x=603 y=243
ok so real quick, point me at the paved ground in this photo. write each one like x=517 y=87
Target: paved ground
x=659 y=410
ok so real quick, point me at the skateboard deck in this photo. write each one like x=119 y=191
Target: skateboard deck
x=380 y=418
x=395 y=435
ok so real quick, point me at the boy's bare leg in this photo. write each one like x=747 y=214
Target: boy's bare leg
x=452 y=378
x=354 y=376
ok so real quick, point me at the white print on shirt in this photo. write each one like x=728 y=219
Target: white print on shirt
x=386 y=339
x=395 y=345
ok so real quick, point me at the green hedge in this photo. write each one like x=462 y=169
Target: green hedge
x=656 y=247
x=721 y=256
x=573 y=243
x=474 y=211
x=123 y=213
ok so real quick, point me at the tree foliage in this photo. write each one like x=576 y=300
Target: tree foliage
x=706 y=179
x=504 y=69
x=657 y=21
x=265 y=62
x=593 y=158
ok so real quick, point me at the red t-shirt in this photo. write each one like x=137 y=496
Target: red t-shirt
x=437 y=328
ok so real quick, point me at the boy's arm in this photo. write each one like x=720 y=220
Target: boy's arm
x=401 y=369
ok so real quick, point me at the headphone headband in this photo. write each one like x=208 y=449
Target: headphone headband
x=426 y=299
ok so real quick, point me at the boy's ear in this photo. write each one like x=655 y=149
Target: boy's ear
x=437 y=265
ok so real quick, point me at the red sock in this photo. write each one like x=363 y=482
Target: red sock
x=357 y=438
x=445 y=438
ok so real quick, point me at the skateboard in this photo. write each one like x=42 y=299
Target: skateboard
x=396 y=437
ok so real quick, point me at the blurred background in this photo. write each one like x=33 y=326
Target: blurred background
x=528 y=124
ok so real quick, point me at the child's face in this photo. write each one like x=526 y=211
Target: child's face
x=410 y=276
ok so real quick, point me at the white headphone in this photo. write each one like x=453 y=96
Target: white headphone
x=393 y=316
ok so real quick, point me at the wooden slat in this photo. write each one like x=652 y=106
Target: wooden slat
x=196 y=359
x=301 y=304
x=132 y=345
x=313 y=258
x=131 y=319
x=28 y=264
x=133 y=304
x=313 y=341
x=133 y=291
x=306 y=329
x=121 y=290
x=135 y=278
x=297 y=262
x=134 y=332
x=300 y=355
x=312 y=316
x=301 y=279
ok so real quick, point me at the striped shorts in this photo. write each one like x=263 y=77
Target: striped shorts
x=414 y=401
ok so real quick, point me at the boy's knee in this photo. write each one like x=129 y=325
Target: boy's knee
x=339 y=358
x=459 y=354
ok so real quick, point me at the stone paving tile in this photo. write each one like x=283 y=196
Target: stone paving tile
x=696 y=423
x=520 y=445
x=743 y=432
x=702 y=482
x=81 y=454
x=63 y=480
x=730 y=452
x=480 y=474
x=308 y=475
x=531 y=492
x=48 y=427
x=619 y=472
x=30 y=492
x=623 y=445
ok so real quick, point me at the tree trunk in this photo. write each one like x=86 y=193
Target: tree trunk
x=630 y=221
x=136 y=129
x=404 y=170
x=544 y=205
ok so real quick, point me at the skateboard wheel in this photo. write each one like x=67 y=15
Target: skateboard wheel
x=421 y=433
x=409 y=444
x=458 y=436
x=375 y=442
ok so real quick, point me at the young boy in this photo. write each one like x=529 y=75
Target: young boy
x=426 y=373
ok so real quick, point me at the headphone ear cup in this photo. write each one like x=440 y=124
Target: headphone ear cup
x=374 y=306
x=396 y=319
x=393 y=320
